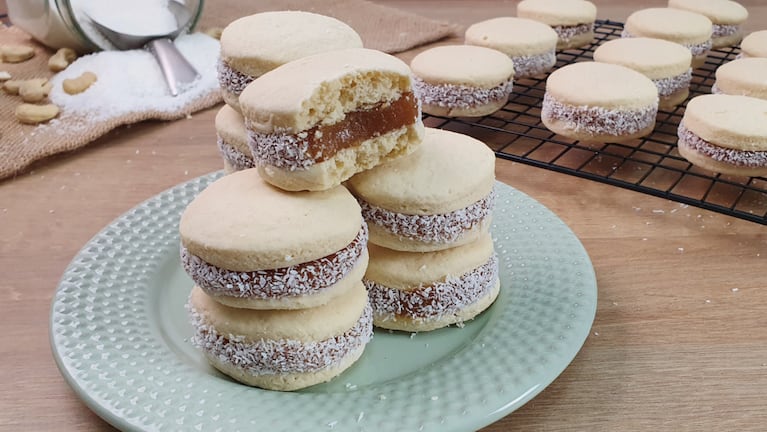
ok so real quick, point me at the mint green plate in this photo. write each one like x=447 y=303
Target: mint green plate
x=120 y=337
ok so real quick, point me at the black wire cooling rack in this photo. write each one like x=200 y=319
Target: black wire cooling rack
x=651 y=165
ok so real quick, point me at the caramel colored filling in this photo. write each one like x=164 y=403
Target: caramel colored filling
x=322 y=142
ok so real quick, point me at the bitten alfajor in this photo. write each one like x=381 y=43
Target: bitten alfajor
x=531 y=45
x=314 y=122
x=726 y=17
x=421 y=291
x=725 y=134
x=666 y=63
x=438 y=197
x=601 y=102
x=462 y=80
x=754 y=45
x=572 y=20
x=232 y=140
x=745 y=77
x=282 y=349
x=255 y=44
x=690 y=29
x=251 y=245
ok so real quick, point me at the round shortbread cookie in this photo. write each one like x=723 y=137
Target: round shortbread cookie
x=316 y=121
x=255 y=44
x=572 y=20
x=232 y=140
x=745 y=77
x=417 y=291
x=754 y=45
x=252 y=245
x=727 y=17
x=690 y=29
x=437 y=197
x=282 y=350
x=462 y=80
x=530 y=44
x=594 y=101
x=666 y=63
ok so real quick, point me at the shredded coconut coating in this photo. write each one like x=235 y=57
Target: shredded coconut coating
x=671 y=85
x=531 y=65
x=566 y=33
x=289 y=151
x=695 y=49
x=722 y=30
x=232 y=80
x=435 y=300
x=715 y=89
x=237 y=159
x=271 y=357
x=439 y=228
x=300 y=279
x=597 y=120
x=459 y=96
x=740 y=158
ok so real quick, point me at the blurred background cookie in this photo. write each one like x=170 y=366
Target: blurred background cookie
x=572 y=20
x=745 y=77
x=727 y=18
x=690 y=29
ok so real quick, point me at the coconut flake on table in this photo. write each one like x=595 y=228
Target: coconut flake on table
x=132 y=82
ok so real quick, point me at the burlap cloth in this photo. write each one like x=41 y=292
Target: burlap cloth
x=380 y=27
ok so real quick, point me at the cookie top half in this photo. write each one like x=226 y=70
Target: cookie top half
x=258 y=43
x=755 y=44
x=242 y=223
x=448 y=172
x=230 y=126
x=655 y=58
x=466 y=65
x=676 y=25
x=558 y=12
x=737 y=122
x=746 y=76
x=724 y=12
x=512 y=36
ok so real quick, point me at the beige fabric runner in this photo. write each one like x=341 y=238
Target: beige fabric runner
x=380 y=27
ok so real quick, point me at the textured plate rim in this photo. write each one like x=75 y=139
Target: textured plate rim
x=102 y=407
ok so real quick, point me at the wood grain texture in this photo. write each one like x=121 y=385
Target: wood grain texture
x=680 y=337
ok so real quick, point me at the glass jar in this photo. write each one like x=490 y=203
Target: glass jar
x=62 y=23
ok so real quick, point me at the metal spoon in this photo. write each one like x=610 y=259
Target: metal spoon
x=175 y=67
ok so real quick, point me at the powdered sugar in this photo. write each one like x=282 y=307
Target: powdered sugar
x=237 y=159
x=459 y=96
x=566 y=33
x=434 y=300
x=671 y=85
x=531 y=65
x=232 y=80
x=130 y=82
x=296 y=280
x=439 y=228
x=596 y=120
x=269 y=356
x=696 y=50
x=740 y=158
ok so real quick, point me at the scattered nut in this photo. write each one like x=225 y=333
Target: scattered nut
x=34 y=114
x=12 y=86
x=17 y=53
x=63 y=57
x=214 y=32
x=34 y=90
x=4 y=76
x=77 y=85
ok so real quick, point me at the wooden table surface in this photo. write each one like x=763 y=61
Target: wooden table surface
x=680 y=336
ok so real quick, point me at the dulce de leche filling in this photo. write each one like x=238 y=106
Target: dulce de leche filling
x=322 y=142
x=435 y=300
x=739 y=158
x=300 y=279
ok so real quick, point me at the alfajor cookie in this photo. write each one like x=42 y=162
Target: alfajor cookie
x=572 y=20
x=754 y=45
x=232 y=140
x=745 y=77
x=725 y=134
x=314 y=122
x=255 y=44
x=251 y=245
x=726 y=17
x=282 y=349
x=462 y=80
x=601 y=102
x=690 y=29
x=531 y=45
x=421 y=291
x=666 y=63
x=438 y=197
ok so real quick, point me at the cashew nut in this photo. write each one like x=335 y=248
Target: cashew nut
x=77 y=85
x=34 y=114
x=17 y=53
x=4 y=76
x=12 y=86
x=63 y=57
x=34 y=90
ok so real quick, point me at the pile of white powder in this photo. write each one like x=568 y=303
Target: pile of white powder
x=140 y=18
x=132 y=82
